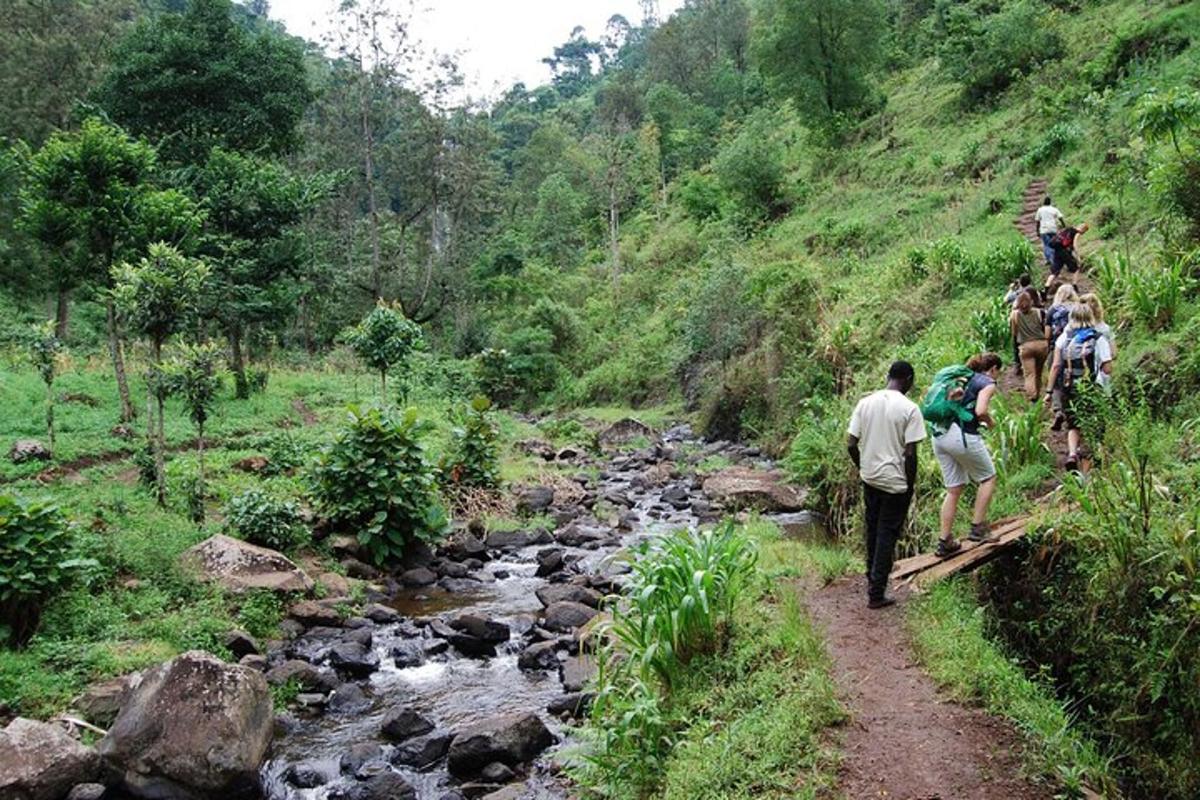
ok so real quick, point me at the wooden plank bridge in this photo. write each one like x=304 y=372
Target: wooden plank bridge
x=923 y=570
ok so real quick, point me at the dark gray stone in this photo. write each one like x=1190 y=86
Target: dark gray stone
x=566 y=616
x=418 y=576
x=560 y=592
x=305 y=775
x=549 y=561
x=349 y=698
x=534 y=500
x=511 y=739
x=571 y=706
x=241 y=644
x=516 y=540
x=420 y=753
x=381 y=614
x=539 y=655
x=400 y=724
x=353 y=658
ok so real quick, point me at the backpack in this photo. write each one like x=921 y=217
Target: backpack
x=1079 y=356
x=1065 y=238
x=1058 y=318
x=943 y=406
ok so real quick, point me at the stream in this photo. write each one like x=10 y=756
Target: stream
x=332 y=745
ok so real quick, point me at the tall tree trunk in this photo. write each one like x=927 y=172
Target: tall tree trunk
x=62 y=313
x=118 y=360
x=160 y=459
x=382 y=388
x=614 y=232
x=237 y=361
x=200 y=451
x=372 y=205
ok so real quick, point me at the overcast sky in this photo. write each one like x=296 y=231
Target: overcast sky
x=501 y=41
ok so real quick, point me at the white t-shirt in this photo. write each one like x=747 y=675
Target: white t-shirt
x=884 y=422
x=1104 y=350
x=1047 y=219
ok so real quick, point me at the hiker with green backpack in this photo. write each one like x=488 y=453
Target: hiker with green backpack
x=957 y=408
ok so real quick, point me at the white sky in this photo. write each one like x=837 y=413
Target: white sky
x=500 y=41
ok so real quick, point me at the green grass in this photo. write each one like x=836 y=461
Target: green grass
x=948 y=631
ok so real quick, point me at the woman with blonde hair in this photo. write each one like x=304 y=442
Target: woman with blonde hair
x=1029 y=334
x=1082 y=369
x=1058 y=316
x=1103 y=328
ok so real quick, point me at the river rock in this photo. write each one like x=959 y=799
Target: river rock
x=28 y=450
x=489 y=630
x=354 y=760
x=549 y=561
x=465 y=546
x=239 y=566
x=453 y=569
x=386 y=785
x=420 y=753
x=559 y=592
x=40 y=761
x=400 y=724
x=304 y=674
x=805 y=526
x=577 y=672
x=306 y=775
x=315 y=612
x=623 y=432
x=571 y=706
x=87 y=791
x=534 y=499
x=240 y=643
x=580 y=534
x=498 y=773
x=380 y=614
x=349 y=699
x=100 y=703
x=539 y=655
x=566 y=616
x=511 y=739
x=762 y=490
x=354 y=659
x=220 y=724
x=408 y=654
x=515 y=540
x=419 y=576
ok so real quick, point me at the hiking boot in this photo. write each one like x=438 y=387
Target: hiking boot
x=982 y=532
x=1072 y=464
x=881 y=602
x=1059 y=421
x=947 y=547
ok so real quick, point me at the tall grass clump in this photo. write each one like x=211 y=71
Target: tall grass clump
x=679 y=605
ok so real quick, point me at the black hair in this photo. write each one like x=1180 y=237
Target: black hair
x=1025 y=280
x=901 y=371
x=1047 y=202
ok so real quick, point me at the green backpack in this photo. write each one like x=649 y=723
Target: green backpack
x=943 y=406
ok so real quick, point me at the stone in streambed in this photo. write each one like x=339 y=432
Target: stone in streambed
x=420 y=753
x=239 y=566
x=571 y=706
x=534 y=499
x=305 y=775
x=517 y=540
x=511 y=739
x=566 y=616
x=549 y=561
x=354 y=659
x=539 y=655
x=418 y=576
x=559 y=592
x=400 y=724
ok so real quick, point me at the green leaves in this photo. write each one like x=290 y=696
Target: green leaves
x=375 y=481
x=473 y=459
x=384 y=339
x=36 y=548
x=265 y=520
x=192 y=374
x=158 y=292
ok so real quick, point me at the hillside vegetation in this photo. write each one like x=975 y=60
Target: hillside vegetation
x=702 y=212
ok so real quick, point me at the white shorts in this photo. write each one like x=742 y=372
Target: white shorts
x=963 y=458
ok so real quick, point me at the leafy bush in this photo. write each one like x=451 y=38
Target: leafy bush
x=267 y=521
x=1061 y=139
x=750 y=168
x=1176 y=183
x=680 y=601
x=35 y=563
x=1156 y=36
x=1152 y=294
x=986 y=52
x=990 y=326
x=473 y=460
x=284 y=453
x=522 y=372
x=375 y=481
x=700 y=195
x=817 y=459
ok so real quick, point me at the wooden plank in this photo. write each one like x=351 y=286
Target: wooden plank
x=969 y=559
x=919 y=563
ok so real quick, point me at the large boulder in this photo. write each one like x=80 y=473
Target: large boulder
x=623 y=432
x=40 y=761
x=553 y=593
x=512 y=739
x=194 y=728
x=516 y=540
x=240 y=566
x=743 y=487
x=100 y=703
x=534 y=499
x=565 y=616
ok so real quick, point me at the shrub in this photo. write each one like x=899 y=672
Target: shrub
x=986 y=52
x=700 y=195
x=1062 y=138
x=375 y=481
x=35 y=563
x=267 y=521
x=990 y=326
x=284 y=453
x=750 y=168
x=1159 y=35
x=1176 y=183
x=817 y=459
x=523 y=371
x=473 y=460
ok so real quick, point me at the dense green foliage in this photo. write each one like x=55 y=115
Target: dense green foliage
x=472 y=460
x=376 y=482
x=264 y=520
x=384 y=341
x=36 y=548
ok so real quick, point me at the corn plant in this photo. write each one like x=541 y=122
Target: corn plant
x=1018 y=435
x=990 y=325
x=1155 y=294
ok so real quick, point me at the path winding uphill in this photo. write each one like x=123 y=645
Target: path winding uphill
x=905 y=740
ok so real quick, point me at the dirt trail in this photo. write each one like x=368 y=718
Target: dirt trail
x=905 y=741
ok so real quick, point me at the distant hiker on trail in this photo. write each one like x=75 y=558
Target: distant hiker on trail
x=1028 y=329
x=1018 y=287
x=1048 y=219
x=1058 y=316
x=884 y=431
x=1063 y=246
x=1083 y=370
x=958 y=406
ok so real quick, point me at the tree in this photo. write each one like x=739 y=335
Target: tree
x=157 y=295
x=571 y=63
x=820 y=51
x=557 y=221
x=89 y=197
x=251 y=208
x=198 y=80
x=192 y=375
x=1165 y=113
x=44 y=348
x=384 y=340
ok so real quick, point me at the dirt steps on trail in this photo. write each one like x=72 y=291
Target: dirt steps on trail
x=1026 y=223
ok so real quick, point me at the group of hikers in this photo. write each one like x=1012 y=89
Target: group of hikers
x=1061 y=328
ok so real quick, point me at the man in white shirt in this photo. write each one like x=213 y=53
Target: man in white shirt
x=882 y=441
x=1048 y=219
